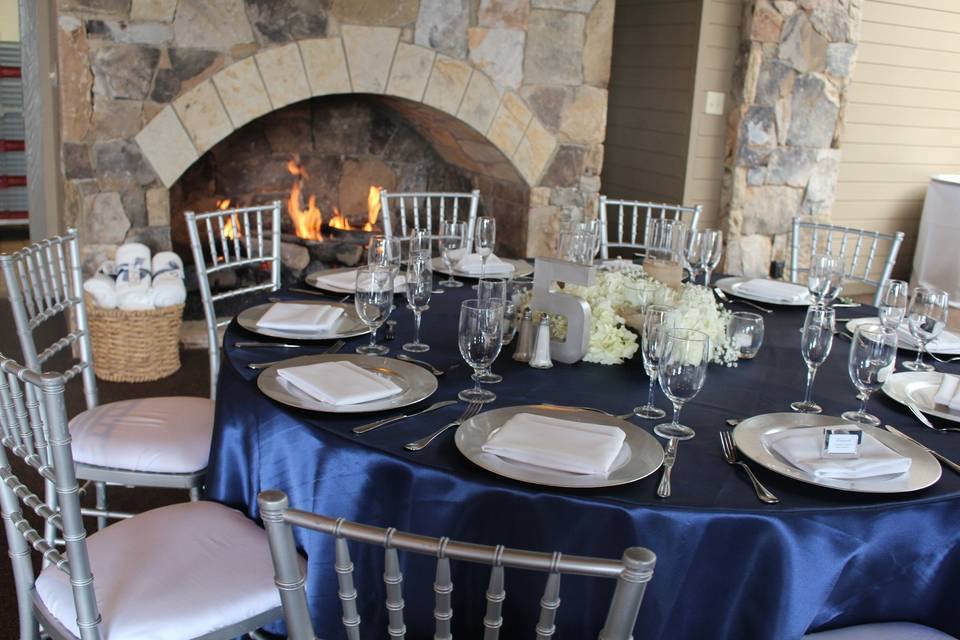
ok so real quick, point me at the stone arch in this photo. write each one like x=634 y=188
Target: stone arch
x=369 y=60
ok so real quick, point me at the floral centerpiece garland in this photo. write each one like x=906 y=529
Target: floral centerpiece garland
x=611 y=342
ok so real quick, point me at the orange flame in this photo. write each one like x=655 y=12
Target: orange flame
x=373 y=208
x=339 y=221
x=229 y=229
x=307 y=222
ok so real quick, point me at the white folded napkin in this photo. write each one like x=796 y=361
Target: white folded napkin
x=773 y=290
x=346 y=281
x=339 y=383
x=576 y=447
x=300 y=317
x=135 y=298
x=472 y=263
x=801 y=447
x=946 y=341
x=949 y=392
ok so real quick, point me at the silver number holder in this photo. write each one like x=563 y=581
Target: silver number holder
x=546 y=271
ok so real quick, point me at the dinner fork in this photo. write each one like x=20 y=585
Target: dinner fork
x=915 y=410
x=723 y=296
x=335 y=347
x=730 y=454
x=472 y=409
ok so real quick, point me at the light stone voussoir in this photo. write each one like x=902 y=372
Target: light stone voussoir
x=203 y=115
x=282 y=71
x=509 y=123
x=326 y=66
x=534 y=152
x=410 y=72
x=242 y=91
x=167 y=146
x=480 y=102
x=447 y=84
x=370 y=53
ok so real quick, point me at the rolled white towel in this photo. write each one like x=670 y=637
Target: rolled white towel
x=168 y=291
x=136 y=299
x=133 y=266
x=167 y=265
x=108 y=268
x=947 y=389
x=102 y=288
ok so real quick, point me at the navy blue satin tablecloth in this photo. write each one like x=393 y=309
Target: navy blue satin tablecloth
x=727 y=566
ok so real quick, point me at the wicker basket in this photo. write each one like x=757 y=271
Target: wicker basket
x=135 y=346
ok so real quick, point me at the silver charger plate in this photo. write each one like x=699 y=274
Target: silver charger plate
x=640 y=456
x=919 y=388
x=416 y=382
x=748 y=436
x=313 y=279
x=521 y=268
x=347 y=326
x=856 y=322
x=731 y=284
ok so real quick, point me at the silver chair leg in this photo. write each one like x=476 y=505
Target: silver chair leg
x=194 y=494
x=101 y=489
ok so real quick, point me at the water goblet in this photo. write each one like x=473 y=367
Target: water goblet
x=486 y=238
x=453 y=240
x=419 y=284
x=384 y=251
x=694 y=254
x=658 y=319
x=682 y=371
x=592 y=232
x=746 y=330
x=815 y=346
x=823 y=277
x=711 y=242
x=493 y=290
x=419 y=243
x=893 y=303
x=374 y=302
x=479 y=337
x=926 y=317
x=872 y=357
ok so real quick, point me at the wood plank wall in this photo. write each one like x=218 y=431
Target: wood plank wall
x=651 y=92
x=902 y=118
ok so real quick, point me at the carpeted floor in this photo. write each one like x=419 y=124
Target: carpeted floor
x=192 y=379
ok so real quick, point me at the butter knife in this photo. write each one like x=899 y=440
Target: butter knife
x=370 y=426
x=945 y=460
x=669 y=458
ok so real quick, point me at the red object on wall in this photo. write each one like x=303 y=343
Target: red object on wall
x=12 y=181
x=12 y=145
x=9 y=72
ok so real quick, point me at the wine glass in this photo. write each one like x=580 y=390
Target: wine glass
x=872 y=357
x=658 y=319
x=682 y=370
x=494 y=291
x=374 y=302
x=384 y=251
x=893 y=303
x=746 y=331
x=420 y=244
x=419 y=287
x=815 y=346
x=479 y=337
x=823 y=277
x=453 y=239
x=694 y=254
x=590 y=229
x=486 y=237
x=927 y=317
x=711 y=248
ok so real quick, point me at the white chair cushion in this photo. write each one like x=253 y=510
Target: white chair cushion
x=881 y=631
x=157 y=435
x=176 y=572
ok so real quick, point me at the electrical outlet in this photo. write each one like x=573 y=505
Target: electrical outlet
x=714 y=105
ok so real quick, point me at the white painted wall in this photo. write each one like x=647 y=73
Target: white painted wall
x=9 y=21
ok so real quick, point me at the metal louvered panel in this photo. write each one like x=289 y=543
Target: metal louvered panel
x=10 y=54
x=13 y=163
x=13 y=199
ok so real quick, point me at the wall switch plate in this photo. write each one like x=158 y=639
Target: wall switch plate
x=714 y=105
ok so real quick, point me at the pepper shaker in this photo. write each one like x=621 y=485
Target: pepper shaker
x=541 y=350
x=524 y=348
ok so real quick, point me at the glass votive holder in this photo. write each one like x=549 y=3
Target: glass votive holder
x=746 y=331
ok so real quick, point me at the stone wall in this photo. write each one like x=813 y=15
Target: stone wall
x=148 y=86
x=788 y=97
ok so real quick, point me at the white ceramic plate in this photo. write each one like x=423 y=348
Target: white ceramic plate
x=640 y=456
x=314 y=280
x=416 y=382
x=856 y=322
x=347 y=326
x=521 y=268
x=730 y=285
x=748 y=436
x=919 y=388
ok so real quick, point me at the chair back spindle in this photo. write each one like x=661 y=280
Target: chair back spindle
x=412 y=215
x=639 y=213
x=632 y=573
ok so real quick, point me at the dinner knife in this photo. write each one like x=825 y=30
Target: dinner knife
x=255 y=345
x=945 y=460
x=669 y=458
x=370 y=426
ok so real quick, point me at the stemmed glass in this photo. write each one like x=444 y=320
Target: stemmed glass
x=746 y=330
x=824 y=277
x=711 y=248
x=374 y=302
x=694 y=255
x=927 y=318
x=384 y=251
x=479 y=337
x=657 y=321
x=682 y=370
x=453 y=238
x=591 y=230
x=493 y=291
x=893 y=303
x=815 y=346
x=486 y=237
x=872 y=357
x=419 y=287
x=420 y=244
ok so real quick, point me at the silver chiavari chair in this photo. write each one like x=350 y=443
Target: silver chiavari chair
x=632 y=574
x=233 y=241
x=190 y=570
x=111 y=444
x=417 y=210
x=631 y=221
x=859 y=250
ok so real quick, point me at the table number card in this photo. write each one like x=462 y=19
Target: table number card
x=839 y=442
x=546 y=271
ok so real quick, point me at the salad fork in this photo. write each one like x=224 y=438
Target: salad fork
x=472 y=409
x=730 y=455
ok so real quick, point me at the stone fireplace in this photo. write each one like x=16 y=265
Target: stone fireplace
x=505 y=96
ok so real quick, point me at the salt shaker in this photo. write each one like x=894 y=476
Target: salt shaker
x=541 y=348
x=524 y=348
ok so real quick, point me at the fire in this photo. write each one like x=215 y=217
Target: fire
x=307 y=223
x=339 y=221
x=229 y=229
x=373 y=208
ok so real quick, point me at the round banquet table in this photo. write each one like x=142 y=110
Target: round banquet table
x=727 y=565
